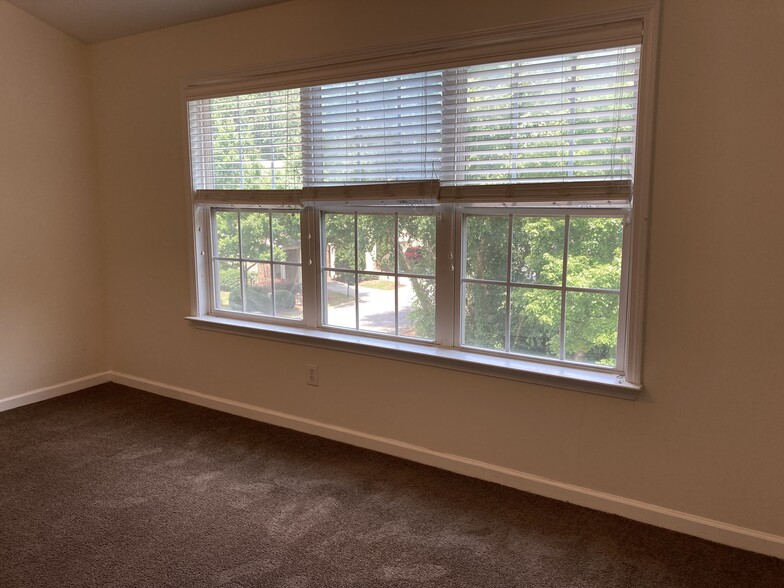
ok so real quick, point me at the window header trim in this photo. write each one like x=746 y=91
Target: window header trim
x=600 y=30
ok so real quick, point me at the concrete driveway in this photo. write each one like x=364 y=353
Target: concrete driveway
x=376 y=308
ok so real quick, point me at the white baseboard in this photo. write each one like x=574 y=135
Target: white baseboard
x=697 y=526
x=651 y=514
x=52 y=391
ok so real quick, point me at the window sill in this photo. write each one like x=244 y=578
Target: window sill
x=570 y=378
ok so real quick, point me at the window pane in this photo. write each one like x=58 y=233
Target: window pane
x=258 y=288
x=417 y=244
x=227 y=241
x=339 y=233
x=537 y=250
x=535 y=321
x=417 y=308
x=486 y=248
x=229 y=294
x=377 y=303
x=255 y=235
x=595 y=253
x=286 y=237
x=339 y=291
x=591 y=327
x=288 y=291
x=376 y=242
x=484 y=316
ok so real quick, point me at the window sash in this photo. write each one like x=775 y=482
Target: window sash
x=401 y=277
x=563 y=287
x=272 y=309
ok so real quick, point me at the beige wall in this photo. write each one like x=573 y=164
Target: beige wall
x=51 y=297
x=706 y=438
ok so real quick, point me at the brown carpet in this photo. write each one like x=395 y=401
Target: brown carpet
x=115 y=487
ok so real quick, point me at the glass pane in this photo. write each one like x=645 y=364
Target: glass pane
x=486 y=247
x=377 y=303
x=258 y=288
x=591 y=327
x=595 y=253
x=255 y=235
x=227 y=240
x=537 y=250
x=288 y=291
x=340 y=293
x=484 y=316
x=229 y=280
x=286 y=241
x=417 y=242
x=339 y=233
x=535 y=322
x=376 y=242
x=416 y=299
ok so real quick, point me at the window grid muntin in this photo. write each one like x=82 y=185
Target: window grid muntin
x=216 y=306
x=395 y=210
x=613 y=212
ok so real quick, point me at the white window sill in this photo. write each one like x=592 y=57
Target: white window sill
x=571 y=378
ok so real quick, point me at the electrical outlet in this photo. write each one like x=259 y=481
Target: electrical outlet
x=311 y=374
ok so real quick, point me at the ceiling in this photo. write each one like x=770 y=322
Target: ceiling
x=92 y=21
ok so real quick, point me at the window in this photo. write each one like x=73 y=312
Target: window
x=257 y=262
x=480 y=213
x=545 y=285
x=378 y=272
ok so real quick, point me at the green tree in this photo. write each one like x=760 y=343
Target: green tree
x=537 y=260
x=255 y=242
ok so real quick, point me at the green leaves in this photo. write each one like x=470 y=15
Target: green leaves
x=574 y=319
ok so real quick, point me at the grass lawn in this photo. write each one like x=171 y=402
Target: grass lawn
x=378 y=284
x=338 y=298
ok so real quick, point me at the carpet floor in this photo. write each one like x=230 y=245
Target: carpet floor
x=111 y=486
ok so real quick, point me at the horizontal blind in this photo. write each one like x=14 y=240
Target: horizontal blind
x=380 y=130
x=249 y=142
x=568 y=117
x=557 y=118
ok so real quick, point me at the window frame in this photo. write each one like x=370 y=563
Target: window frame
x=583 y=32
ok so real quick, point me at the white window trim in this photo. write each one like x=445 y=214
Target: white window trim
x=600 y=29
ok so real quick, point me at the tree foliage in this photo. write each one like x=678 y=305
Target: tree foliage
x=255 y=245
x=536 y=266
